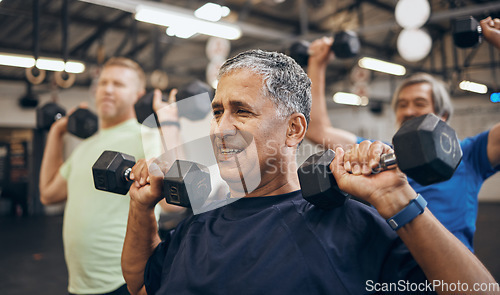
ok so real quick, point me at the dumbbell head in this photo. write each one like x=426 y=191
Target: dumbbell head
x=346 y=44
x=299 y=52
x=187 y=184
x=82 y=123
x=466 y=32
x=427 y=149
x=317 y=182
x=111 y=171
x=48 y=114
x=196 y=109
x=199 y=106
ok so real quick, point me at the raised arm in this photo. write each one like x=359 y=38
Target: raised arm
x=320 y=129
x=442 y=257
x=141 y=237
x=53 y=187
x=491 y=31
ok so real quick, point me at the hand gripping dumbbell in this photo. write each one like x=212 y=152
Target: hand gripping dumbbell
x=195 y=110
x=425 y=148
x=185 y=184
x=466 y=32
x=82 y=122
x=345 y=45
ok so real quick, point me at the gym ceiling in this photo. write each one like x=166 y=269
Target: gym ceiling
x=95 y=32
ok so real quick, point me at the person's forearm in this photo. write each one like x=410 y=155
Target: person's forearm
x=442 y=257
x=320 y=129
x=140 y=241
x=51 y=162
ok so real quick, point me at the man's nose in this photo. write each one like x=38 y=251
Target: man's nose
x=225 y=126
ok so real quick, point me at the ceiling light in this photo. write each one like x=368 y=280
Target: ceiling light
x=414 y=44
x=411 y=14
x=43 y=63
x=15 y=60
x=212 y=12
x=473 y=87
x=381 y=66
x=181 y=32
x=171 y=18
x=350 y=99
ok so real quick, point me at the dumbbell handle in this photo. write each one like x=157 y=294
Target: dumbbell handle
x=387 y=160
x=126 y=173
x=58 y=116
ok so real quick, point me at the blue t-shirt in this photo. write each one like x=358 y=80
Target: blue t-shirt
x=454 y=202
x=280 y=245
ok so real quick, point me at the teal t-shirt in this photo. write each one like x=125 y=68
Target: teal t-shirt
x=95 y=221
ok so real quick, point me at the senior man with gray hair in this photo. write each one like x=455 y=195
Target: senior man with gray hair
x=272 y=241
x=455 y=201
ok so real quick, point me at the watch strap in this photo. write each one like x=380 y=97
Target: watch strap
x=408 y=213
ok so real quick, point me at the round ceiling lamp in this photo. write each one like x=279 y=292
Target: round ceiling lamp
x=414 y=44
x=412 y=14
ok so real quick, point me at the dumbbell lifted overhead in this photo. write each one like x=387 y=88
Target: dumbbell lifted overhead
x=345 y=45
x=185 y=184
x=195 y=110
x=425 y=148
x=467 y=32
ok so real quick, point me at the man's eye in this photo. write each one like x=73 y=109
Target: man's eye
x=242 y=112
x=216 y=112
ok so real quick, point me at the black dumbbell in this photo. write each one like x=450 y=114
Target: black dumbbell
x=195 y=110
x=345 y=45
x=467 y=32
x=82 y=122
x=185 y=184
x=47 y=114
x=425 y=148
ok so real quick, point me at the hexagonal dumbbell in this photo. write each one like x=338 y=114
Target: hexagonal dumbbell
x=425 y=148
x=111 y=172
x=48 y=114
x=82 y=123
x=466 y=32
x=186 y=183
x=345 y=45
x=197 y=109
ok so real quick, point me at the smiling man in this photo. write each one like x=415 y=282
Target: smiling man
x=455 y=201
x=272 y=241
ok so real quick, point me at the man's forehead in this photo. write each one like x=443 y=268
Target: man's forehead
x=416 y=91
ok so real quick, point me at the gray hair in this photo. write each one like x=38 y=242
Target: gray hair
x=285 y=82
x=440 y=97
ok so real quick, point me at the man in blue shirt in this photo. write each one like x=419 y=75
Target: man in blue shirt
x=453 y=202
x=272 y=241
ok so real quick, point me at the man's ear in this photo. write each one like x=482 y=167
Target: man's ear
x=296 y=131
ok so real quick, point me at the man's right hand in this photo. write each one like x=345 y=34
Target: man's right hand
x=148 y=183
x=319 y=52
x=491 y=30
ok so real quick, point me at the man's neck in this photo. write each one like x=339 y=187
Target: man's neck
x=283 y=184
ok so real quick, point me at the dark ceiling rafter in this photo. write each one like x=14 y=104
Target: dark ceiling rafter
x=81 y=49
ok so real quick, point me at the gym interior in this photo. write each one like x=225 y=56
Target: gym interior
x=446 y=44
